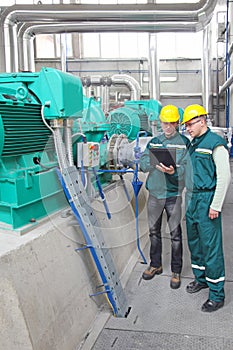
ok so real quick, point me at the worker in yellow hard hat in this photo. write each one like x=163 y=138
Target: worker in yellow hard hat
x=169 y=114
x=207 y=179
x=192 y=112
x=165 y=194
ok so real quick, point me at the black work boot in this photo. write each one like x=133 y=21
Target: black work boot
x=194 y=287
x=211 y=305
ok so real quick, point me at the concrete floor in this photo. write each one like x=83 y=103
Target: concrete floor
x=165 y=319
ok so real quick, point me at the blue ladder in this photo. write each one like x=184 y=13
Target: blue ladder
x=81 y=207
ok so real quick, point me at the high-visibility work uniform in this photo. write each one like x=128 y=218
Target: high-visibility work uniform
x=164 y=194
x=204 y=234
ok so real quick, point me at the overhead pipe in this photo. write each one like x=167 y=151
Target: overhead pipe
x=116 y=79
x=96 y=80
x=194 y=12
x=28 y=31
x=132 y=83
x=198 y=14
x=105 y=83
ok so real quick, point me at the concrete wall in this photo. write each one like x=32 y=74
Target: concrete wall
x=45 y=287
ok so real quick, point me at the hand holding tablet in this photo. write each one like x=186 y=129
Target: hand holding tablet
x=166 y=156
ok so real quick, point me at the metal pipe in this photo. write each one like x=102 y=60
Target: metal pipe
x=63 y=52
x=230 y=58
x=126 y=96
x=181 y=95
x=105 y=100
x=60 y=148
x=228 y=68
x=192 y=12
x=132 y=83
x=206 y=83
x=68 y=141
x=226 y=85
x=154 y=68
x=230 y=49
x=117 y=79
x=8 y=44
x=195 y=16
x=28 y=31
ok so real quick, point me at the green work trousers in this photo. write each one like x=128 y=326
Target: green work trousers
x=205 y=243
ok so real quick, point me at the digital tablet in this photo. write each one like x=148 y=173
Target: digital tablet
x=167 y=156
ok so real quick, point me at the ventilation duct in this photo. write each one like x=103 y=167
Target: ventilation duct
x=168 y=17
x=28 y=31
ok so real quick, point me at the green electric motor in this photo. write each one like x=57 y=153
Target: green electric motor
x=135 y=116
x=29 y=188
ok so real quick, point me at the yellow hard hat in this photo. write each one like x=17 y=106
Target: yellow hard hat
x=193 y=111
x=169 y=114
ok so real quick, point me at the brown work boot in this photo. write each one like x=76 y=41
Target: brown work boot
x=175 y=281
x=151 y=271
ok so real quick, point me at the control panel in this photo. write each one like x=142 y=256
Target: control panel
x=88 y=154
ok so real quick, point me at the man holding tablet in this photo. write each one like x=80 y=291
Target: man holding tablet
x=161 y=159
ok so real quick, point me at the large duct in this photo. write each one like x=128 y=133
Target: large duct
x=28 y=31
x=185 y=17
x=130 y=82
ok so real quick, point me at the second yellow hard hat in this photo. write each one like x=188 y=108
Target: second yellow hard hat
x=169 y=114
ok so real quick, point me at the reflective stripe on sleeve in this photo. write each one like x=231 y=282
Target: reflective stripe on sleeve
x=204 y=150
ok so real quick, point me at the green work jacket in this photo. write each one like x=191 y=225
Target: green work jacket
x=200 y=169
x=159 y=184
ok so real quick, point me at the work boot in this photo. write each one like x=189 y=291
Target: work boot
x=151 y=271
x=175 y=280
x=194 y=287
x=211 y=305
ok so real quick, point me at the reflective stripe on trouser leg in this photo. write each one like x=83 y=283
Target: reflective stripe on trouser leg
x=211 y=231
x=205 y=244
